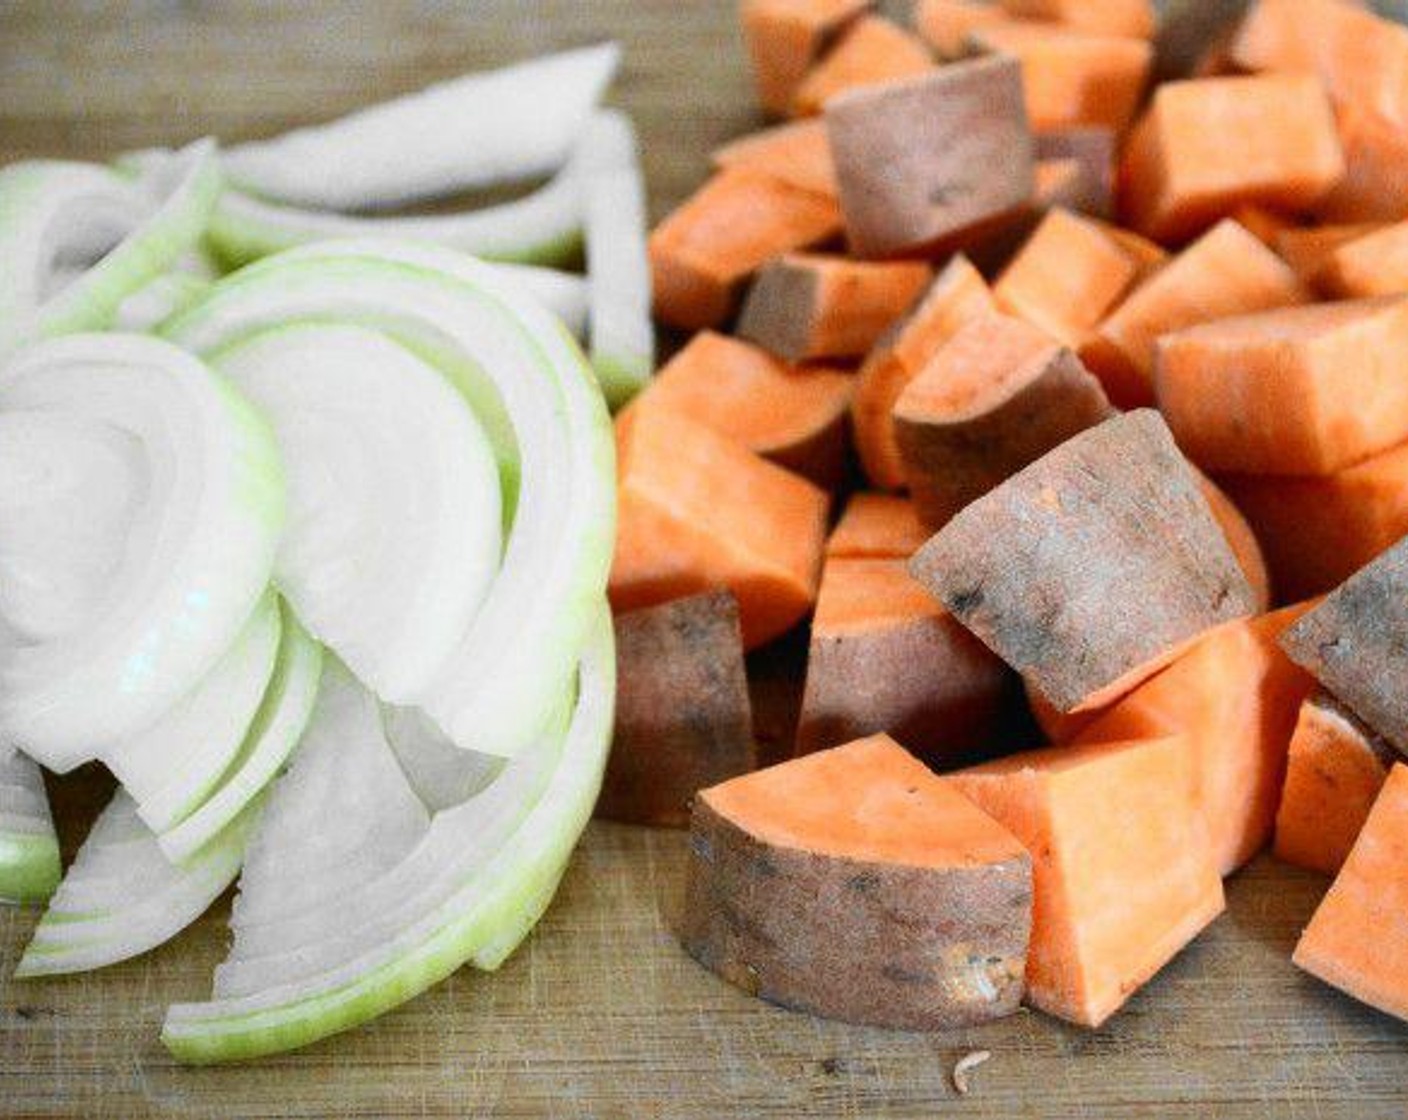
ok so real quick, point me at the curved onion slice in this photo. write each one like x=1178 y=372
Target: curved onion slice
x=544 y=415
x=283 y=715
x=152 y=304
x=471 y=888
x=123 y=897
x=29 y=850
x=622 y=332
x=497 y=126
x=192 y=519
x=562 y=293
x=78 y=239
x=393 y=535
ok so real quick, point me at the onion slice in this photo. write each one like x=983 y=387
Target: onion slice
x=29 y=850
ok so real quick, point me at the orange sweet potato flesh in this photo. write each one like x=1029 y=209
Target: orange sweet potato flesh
x=1297 y=391
x=1263 y=224
x=1373 y=265
x=793 y=415
x=885 y=657
x=1362 y=59
x=1207 y=146
x=1374 y=188
x=958 y=295
x=683 y=719
x=870 y=52
x=1335 y=771
x=857 y=885
x=697 y=511
x=733 y=225
x=999 y=396
x=1226 y=272
x=946 y=24
x=1306 y=249
x=1067 y=277
x=1135 y=18
x=1317 y=532
x=785 y=37
x=1124 y=877
x=806 y=306
x=1358 y=938
x=877 y=527
x=797 y=153
x=1070 y=77
x=1234 y=697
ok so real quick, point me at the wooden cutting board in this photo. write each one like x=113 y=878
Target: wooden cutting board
x=600 y=1014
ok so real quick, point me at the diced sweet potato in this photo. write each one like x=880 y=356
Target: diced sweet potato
x=804 y=307
x=1373 y=265
x=1234 y=697
x=738 y=221
x=1092 y=568
x=1264 y=224
x=1124 y=877
x=1358 y=938
x=1225 y=272
x=1354 y=644
x=1072 y=77
x=1241 y=538
x=999 y=396
x=1067 y=277
x=1362 y=59
x=1207 y=146
x=1317 y=532
x=885 y=657
x=1374 y=188
x=697 y=511
x=1335 y=771
x=785 y=37
x=857 y=885
x=927 y=162
x=793 y=415
x=871 y=51
x=1306 y=248
x=1094 y=150
x=877 y=527
x=797 y=153
x=1133 y=18
x=1296 y=390
x=946 y=24
x=683 y=720
x=958 y=295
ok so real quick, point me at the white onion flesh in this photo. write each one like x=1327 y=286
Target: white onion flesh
x=29 y=849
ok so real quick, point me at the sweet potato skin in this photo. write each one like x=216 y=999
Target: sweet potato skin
x=1093 y=567
x=872 y=943
x=683 y=719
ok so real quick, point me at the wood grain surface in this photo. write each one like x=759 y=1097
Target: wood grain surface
x=600 y=1014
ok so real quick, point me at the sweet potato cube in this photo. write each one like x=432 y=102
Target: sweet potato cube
x=1124 y=877
x=805 y=306
x=738 y=221
x=999 y=396
x=857 y=885
x=1133 y=18
x=958 y=295
x=1295 y=390
x=797 y=153
x=925 y=162
x=1335 y=770
x=1358 y=938
x=1373 y=265
x=1374 y=188
x=784 y=38
x=885 y=657
x=683 y=720
x=872 y=51
x=877 y=527
x=1067 y=277
x=1092 y=568
x=1072 y=77
x=1354 y=644
x=1206 y=146
x=1225 y=272
x=1093 y=148
x=1307 y=248
x=697 y=511
x=947 y=24
x=1242 y=539
x=793 y=415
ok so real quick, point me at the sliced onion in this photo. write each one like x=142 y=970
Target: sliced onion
x=29 y=850
x=77 y=239
x=621 y=330
x=497 y=126
x=151 y=305
x=122 y=896
x=198 y=508
x=468 y=893
x=561 y=293
x=540 y=408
